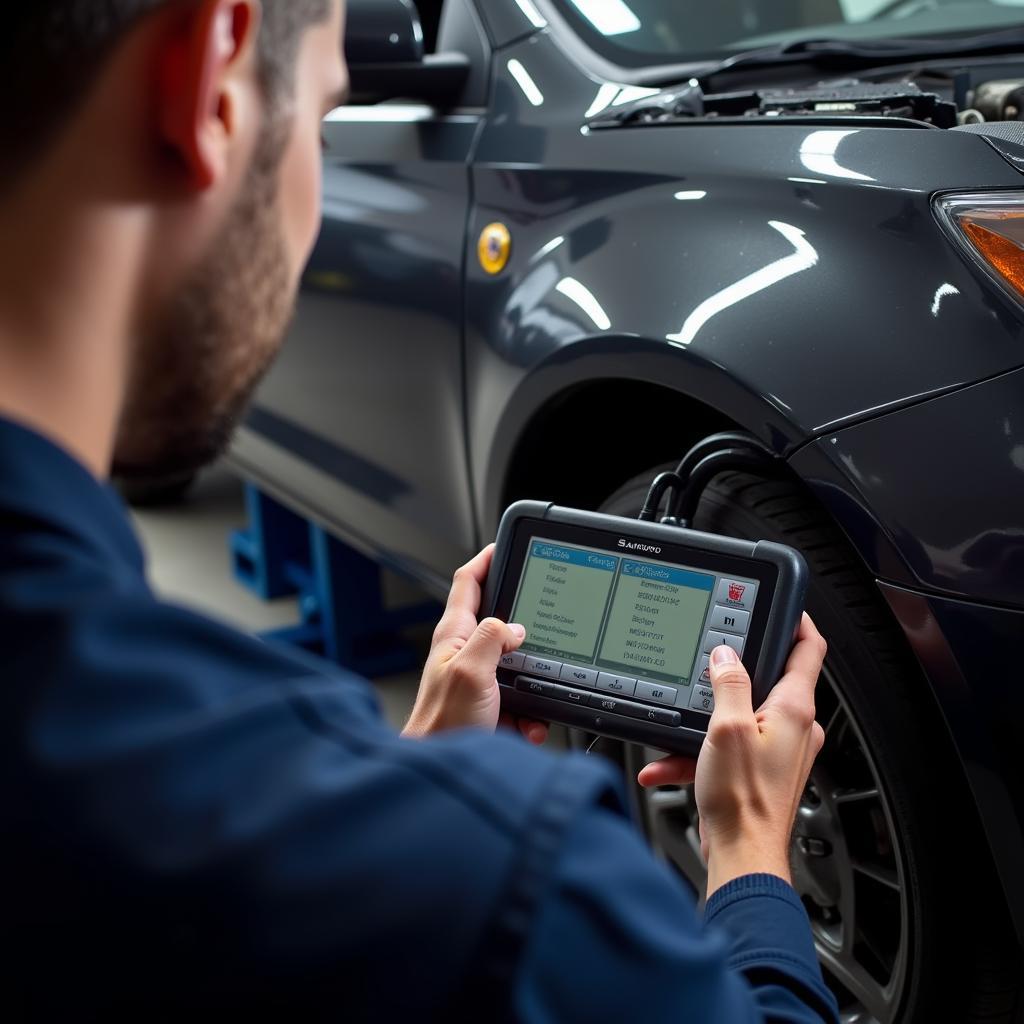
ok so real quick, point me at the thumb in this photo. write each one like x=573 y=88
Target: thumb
x=731 y=684
x=490 y=640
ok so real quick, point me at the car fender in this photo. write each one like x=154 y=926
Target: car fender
x=798 y=264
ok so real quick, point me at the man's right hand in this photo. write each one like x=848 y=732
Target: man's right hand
x=753 y=766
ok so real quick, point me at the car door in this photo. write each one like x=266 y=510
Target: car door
x=360 y=423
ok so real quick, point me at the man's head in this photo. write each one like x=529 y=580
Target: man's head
x=216 y=167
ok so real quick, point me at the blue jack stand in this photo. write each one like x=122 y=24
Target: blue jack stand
x=341 y=602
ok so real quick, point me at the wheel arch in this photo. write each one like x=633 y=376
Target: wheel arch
x=595 y=462
x=602 y=393
x=594 y=459
x=676 y=421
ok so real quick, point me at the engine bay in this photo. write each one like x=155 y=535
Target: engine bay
x=898 y=99
x=936 y=97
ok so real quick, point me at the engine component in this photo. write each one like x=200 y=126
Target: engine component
x=900 y=99
x=1001 y=100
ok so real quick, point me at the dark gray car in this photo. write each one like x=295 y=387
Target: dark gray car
x=803 y=219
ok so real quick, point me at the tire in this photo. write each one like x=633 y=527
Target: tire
x=885 y=840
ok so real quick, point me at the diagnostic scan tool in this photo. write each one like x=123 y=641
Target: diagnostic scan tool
x=621 y=617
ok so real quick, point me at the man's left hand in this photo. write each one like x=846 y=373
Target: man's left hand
x=459 y=687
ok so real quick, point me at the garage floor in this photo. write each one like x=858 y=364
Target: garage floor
x=187 y=546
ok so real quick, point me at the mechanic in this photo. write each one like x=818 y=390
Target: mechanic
x=196 y=822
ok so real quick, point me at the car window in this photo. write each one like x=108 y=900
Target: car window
x=638 y=32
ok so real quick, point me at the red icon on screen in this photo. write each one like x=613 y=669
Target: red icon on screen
x=736 y=591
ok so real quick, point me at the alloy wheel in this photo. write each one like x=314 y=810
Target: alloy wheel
x=846 y=861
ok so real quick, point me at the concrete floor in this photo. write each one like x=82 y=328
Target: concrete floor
x=187 y=547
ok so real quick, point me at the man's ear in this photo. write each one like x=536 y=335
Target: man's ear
x=202 y=68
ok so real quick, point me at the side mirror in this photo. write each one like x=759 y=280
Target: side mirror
x=384 y=51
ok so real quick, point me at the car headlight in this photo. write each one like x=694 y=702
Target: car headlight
x=990 y=226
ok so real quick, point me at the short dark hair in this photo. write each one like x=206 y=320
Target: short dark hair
x=51 y=52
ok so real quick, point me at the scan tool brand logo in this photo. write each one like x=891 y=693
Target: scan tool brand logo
x=632 y=545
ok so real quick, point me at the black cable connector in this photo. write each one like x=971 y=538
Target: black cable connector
x=709 y=467
x=716 y=442
x=704 y=461
x=662 y=482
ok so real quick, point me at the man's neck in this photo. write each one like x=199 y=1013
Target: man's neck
x=65 y=317
x=50 y=397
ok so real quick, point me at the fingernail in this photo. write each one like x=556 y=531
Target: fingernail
x=519 y=631
x=724 y=655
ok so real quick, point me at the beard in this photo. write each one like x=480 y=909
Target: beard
x=196 y=369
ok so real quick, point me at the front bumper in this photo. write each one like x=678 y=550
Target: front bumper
x=932 y=497
x=970 y=654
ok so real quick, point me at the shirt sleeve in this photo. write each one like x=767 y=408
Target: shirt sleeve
x=617 y=938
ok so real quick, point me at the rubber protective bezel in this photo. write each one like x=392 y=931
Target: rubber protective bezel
x=781 y=573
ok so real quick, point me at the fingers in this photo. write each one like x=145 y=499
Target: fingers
x=808 y=653
x=534 y=732
x=459 y=619
x=817 y=739
x=669 y=771
x=816 y=742
x=489 y=641
x=794 y=692
x=731 y=684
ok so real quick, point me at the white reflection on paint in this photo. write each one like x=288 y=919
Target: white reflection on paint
x=629 y=93
x=550 y=247
x=609 y=17
x=603 y=99
x=612 y=95
x=804 y=257
x=818 y=155
x=383 y=112
x=532 y=14
x=695 y=194
x=943 y=291
x=526 y=83
x=584 y=298
x=395 y=112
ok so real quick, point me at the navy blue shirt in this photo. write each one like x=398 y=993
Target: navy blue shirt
x=195 y=822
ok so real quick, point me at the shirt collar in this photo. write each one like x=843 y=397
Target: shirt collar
x=42 y=482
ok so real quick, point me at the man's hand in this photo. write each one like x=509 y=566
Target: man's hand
x=459 y=687
x=753 y=766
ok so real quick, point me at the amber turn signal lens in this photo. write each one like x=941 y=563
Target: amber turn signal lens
x=1000 y=240
x=992 y=226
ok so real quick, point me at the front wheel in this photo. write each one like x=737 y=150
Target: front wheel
x=879 y=855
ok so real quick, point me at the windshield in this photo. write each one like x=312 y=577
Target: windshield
x=635 y=33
